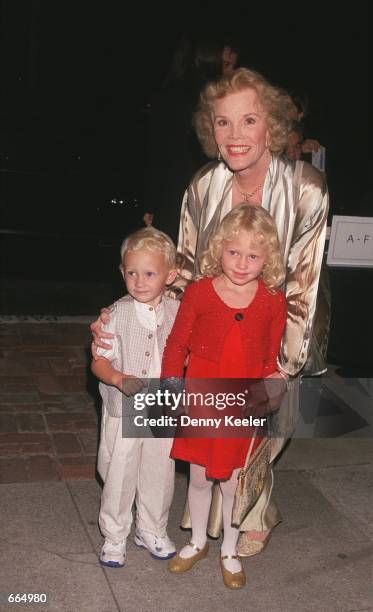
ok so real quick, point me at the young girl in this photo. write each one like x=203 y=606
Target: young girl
x=230 y=323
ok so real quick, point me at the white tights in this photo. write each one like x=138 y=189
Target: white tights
x=199 y=498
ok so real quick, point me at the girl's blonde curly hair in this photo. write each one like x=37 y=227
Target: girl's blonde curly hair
x=251 y=219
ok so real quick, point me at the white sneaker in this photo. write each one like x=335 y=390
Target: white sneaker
x=113 y=555
x=159 y=547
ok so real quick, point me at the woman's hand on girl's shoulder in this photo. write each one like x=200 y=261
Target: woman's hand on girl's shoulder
x=266 y=395
x=276 y=385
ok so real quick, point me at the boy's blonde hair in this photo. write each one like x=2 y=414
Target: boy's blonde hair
x=152 y=239
x=251 y=219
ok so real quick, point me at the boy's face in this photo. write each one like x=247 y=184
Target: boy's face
x=146 y=275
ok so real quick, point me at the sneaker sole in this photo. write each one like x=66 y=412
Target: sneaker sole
x=114 y=564
x=139 y=544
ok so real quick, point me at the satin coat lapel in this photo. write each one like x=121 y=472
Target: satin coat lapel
x=214 y=202
x=219 y=189
x=280 y=197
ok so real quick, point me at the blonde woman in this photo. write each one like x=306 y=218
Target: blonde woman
x=242 y=123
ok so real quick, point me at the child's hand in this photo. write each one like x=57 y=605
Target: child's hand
x=98 y=333
x=129 y=385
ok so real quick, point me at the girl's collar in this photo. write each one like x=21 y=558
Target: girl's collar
x=259 y=292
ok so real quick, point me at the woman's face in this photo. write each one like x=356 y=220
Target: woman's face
x=240 y=129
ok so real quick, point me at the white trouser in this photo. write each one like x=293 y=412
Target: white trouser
x=133 y=468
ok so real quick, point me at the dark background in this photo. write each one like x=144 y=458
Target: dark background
x=76 y=80
x=75 y=75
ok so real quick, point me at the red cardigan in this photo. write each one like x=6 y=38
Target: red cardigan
x=204 y=320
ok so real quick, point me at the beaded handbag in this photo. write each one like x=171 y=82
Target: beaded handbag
x=251 y=480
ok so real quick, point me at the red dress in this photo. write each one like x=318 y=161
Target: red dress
x=220 y=456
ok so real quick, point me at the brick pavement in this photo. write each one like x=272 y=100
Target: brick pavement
x=49 y=403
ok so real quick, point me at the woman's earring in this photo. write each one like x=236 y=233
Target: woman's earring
x=219 y=156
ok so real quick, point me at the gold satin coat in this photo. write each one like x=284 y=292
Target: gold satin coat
x=296 y=196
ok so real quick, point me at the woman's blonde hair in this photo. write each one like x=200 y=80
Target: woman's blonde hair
x=152 y=239
x=273 y=101
x=251 y=219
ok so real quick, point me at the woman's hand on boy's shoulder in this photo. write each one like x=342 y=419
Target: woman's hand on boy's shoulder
x=99 y=334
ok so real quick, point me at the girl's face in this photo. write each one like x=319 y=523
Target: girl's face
x=243 y=258
x=240 y=130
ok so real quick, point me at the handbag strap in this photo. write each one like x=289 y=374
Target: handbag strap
x=250 y=449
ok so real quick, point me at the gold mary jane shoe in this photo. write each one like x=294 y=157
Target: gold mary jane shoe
x=248 y=548
x=178 y=565
x=232 y=580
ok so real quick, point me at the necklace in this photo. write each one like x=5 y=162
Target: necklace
x=246 y=194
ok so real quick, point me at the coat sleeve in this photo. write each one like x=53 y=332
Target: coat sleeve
x=303 y=270
x=178 y=342
x=190 y=227
x=275 y=334
x=187 y=242
x=186 y=247
x=193 y=206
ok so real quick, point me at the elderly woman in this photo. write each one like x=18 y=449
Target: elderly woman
x=242 y=124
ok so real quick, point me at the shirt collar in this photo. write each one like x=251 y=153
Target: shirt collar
x=149 y=317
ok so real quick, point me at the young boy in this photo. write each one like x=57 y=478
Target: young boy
x=134 y=467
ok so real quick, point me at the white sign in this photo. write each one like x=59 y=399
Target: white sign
x=351 y=242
